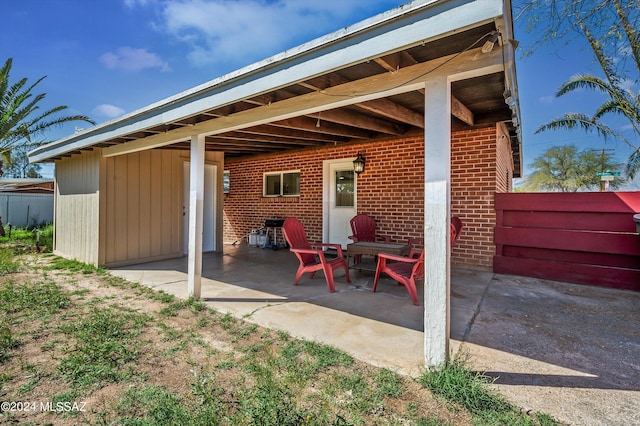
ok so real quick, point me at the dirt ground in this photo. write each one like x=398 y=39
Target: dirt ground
x=174 y=349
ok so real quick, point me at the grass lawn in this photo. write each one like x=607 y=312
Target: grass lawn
x=78 y=346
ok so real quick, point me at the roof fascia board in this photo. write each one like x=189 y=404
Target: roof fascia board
x=399 y=28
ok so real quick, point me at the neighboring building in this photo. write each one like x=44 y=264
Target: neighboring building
x=427 y=92
x=26 y=202
x=27 y=186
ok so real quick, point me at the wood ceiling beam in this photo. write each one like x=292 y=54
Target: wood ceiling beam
x=249 y=137
x=394 y=111
x=461 y=112
x=248 y=145
x=361 y=121
x=347 y=118
x=284 y=132
x=382 y=106
x=316 y=125
x=396 y=61
x=469 y=64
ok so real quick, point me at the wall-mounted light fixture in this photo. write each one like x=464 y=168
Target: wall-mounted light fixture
x=491 y=41
x=358 y=164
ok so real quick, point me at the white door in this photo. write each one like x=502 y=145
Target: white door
x=209 y=208
x=340 y=188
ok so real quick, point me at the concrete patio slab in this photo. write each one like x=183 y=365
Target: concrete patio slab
x=567 y=350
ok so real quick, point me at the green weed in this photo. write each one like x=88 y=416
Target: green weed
x=105 y=347
x=470 y=389
x=457 y=383
x=59 y=263
x=388 y=383
x=8 y=264
x=32 y=299
x=7 y=342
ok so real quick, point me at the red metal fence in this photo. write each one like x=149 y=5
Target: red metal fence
x=585 y=238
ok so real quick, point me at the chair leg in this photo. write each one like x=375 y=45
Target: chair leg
x=299 y=274
x=328 y=273
x=413 y=292
x=346 y=272
x=381 y=265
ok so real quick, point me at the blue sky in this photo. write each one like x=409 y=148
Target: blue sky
x=104 y=58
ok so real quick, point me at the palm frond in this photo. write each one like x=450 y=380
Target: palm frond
x=633 y=164
x=21 y=117
x=631 y=31
x=584 y=81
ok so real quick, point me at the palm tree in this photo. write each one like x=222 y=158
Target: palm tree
x=619 y=100
x=20 y=119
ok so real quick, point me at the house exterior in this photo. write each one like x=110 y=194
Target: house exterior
x=391 y=189
x=426 y=92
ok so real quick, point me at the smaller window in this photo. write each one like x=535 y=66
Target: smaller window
x=282 y=184
x=226 y=182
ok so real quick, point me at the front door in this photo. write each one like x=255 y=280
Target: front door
x=209 y=208
x=340 y=201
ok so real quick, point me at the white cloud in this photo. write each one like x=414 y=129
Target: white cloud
x=108 y=110
x=133 y=3
x=546 y=99
x=628 y=85
x=235 y=31
x=130 y=59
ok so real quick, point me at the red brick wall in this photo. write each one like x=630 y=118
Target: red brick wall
x=391 y=189
x=474 y=181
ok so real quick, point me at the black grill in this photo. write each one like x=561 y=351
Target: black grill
x=273 y=223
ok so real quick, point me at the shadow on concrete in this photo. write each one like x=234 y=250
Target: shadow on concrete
x=564 y=349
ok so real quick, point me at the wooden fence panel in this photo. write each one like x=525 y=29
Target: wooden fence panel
x=585 y=238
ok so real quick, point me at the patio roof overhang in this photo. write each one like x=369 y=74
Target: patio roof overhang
x=364 y=82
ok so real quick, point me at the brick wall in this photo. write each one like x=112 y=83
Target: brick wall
x=391 y=190
x=480 y=163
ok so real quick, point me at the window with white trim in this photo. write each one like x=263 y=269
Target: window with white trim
x=282 y=184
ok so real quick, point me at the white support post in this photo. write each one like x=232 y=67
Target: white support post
x=196 y=203
x=437 y=160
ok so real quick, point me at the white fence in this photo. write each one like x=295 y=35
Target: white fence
x=21 y=210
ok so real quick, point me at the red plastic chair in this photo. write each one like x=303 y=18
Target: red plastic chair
x=364 y=229
x=408 y=270
x=311 y=256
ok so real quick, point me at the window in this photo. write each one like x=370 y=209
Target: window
x=344 y=188
x=282 y=184
x=226 y=183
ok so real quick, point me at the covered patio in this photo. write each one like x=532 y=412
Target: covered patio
x=433 y=82
x=567 y=350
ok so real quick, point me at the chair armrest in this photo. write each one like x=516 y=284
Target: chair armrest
x=353 y=237
x=338 y=247
x=414 y=253
x=396 y=258
x=306 y=251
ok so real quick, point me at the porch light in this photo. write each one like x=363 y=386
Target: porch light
x=491 y=41
x=358 y=164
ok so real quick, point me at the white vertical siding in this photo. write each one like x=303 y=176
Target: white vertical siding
x=77 y=207
x=143 y=207
x=124 y=209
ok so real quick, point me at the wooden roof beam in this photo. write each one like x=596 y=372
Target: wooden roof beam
x=461 y=112
x=382 y=106
x=396 y=61
x=326 y=127
x=295 y=134
x=249 y=137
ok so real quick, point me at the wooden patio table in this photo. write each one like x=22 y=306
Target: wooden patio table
x=373 y=249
